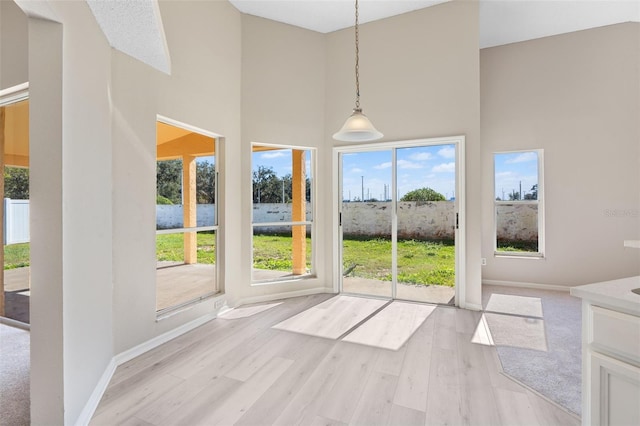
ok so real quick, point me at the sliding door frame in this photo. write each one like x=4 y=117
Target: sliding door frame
x=459 y=231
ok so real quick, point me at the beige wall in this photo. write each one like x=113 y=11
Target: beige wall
x=419 y=79
x=251 y=80
x=70 y=186
x=577 y=96
x=203 y=91
x=13 y=45
x=283 y=89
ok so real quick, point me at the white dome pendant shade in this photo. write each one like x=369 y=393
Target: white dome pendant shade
x=357 y=128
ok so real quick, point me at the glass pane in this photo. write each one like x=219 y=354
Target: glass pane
x=366 y=223
x=206 y=191
x=517 y=227
x=281 y=184
x=185 y=198
x=426 y=223
x=186 y=268
x=516 y=176
x=281 y=252
x=516 y=181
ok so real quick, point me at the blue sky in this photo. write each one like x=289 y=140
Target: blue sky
x=418 y=167
x=279 y=160
x=431 y=166
x=514 y=168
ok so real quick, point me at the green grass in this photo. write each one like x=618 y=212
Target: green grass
x=16 y=256
x=419 y=262
x=517 y=246
x=170 y=247
x=273 y=252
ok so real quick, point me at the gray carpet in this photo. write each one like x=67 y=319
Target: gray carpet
x=17 y=306
x=14 y=376
x=544 y=351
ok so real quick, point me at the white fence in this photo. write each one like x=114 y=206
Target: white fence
x=16 y=221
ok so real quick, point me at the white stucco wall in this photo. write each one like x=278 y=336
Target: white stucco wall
x=171 y=216
x=433 y=220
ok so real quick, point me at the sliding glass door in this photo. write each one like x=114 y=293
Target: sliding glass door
x=398 y=220
x=367 y=255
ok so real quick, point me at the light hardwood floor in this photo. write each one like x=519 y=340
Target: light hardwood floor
x=244 y=372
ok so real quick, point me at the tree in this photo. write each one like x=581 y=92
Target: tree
x=265 y=186
x=534 y=193
x=423 y=194
x=16 y=183
x=514 y=196
x=169 y=180
x=269 y=188
x=206 y=182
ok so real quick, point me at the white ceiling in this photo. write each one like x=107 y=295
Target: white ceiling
x=501 y=21
x=135 y=26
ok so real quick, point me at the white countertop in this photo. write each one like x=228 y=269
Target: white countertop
x=614 y=294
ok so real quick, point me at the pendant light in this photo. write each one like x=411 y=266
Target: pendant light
x=357 y=128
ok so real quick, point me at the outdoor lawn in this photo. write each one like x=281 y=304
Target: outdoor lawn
x=16 y=256
x=419 y=262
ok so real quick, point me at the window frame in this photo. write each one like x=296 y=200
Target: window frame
x=217 y=288
x=312 y=273
x=540 y=254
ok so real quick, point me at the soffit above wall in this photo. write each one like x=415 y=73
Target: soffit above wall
x=134 y=27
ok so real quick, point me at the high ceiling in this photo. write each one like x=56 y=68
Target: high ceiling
x=135 y=26
x=501 y=21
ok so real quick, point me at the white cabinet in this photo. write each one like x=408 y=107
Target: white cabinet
x=610 y=353
x=615 y=392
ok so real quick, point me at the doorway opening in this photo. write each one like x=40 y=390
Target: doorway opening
x=15 y=283
x=400 y=212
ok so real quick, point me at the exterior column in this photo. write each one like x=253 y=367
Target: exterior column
x=189 y=212
x=298 y=212
x=2 y=120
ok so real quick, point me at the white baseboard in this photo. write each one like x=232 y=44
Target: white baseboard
x=13 y=323
x=527 y=285
x=286 y=295
x=472 y=307
x=143 y=347
x=91 y=405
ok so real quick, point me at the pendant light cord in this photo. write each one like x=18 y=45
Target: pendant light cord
x=357 y=62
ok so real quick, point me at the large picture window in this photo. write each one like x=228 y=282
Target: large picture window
x=186 y=216
x=518 y=205
x=282 y=217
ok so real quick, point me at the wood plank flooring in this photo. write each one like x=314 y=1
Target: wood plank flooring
x=244 y=372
